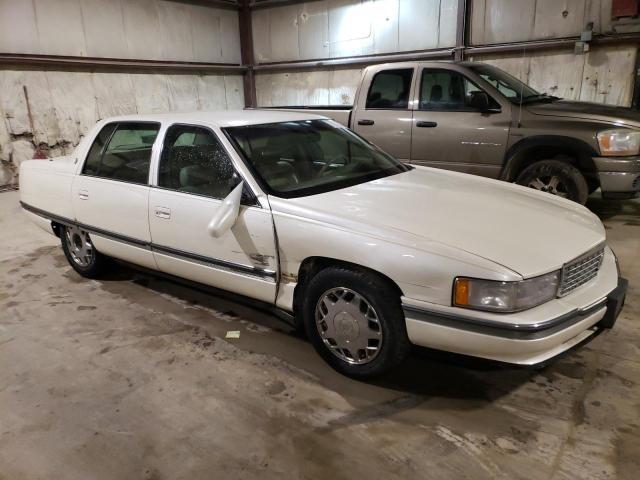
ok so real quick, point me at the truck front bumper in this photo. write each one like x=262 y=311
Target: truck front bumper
x=619 y=177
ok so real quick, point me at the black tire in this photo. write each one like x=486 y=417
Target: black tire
x=571 y=185
x=384 y=299
x=94 y=265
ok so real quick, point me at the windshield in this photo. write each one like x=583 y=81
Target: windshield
x=512 y=88
x=293 y=159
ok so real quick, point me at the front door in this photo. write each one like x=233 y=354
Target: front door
x=195 y=174
x=384 y=117
x=110 y=195
x=448 y=133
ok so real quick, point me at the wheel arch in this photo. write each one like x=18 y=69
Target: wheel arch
x=310 y=266
x=542 y=147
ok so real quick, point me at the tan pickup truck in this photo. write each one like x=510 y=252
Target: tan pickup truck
x=475 y=118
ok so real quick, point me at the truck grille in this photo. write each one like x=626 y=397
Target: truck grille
x=580 y=271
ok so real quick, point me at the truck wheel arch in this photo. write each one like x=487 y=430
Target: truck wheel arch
x=543 y=147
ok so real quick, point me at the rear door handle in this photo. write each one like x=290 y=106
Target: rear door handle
x=423 y=124
x=163 y=212
x=366 y=122
x=83 y=194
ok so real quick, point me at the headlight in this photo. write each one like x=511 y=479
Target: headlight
x=505 y=296
x=619 y=142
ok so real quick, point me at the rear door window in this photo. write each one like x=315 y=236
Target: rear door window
x=122 y=151
x=390 y=89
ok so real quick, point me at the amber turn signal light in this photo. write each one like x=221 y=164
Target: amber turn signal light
x=461 y=292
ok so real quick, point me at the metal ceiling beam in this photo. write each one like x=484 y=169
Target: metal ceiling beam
x=95 y=63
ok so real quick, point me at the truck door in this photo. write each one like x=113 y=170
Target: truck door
x=195 y=174
x=382 y=114
x=110 y=194
x=449 y=133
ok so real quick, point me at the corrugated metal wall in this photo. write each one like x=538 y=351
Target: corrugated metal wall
x=304 y=31
x=341 y=28
x=65 y=104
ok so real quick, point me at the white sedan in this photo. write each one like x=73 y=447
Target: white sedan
x=302 y=216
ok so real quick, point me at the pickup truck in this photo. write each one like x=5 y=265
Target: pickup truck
x=475 y=118
x=302 y=217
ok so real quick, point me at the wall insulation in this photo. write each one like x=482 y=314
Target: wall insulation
x=340 y=28
x=137 y=29
x=66 y=105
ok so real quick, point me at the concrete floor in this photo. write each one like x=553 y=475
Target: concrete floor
x=130 y=377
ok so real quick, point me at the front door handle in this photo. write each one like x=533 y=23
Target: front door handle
x=83 y=194
x=423 y=124
x=366 y=122
x=163 y=212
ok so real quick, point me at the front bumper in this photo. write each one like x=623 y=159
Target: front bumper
x=619 y=177
x=507 y=340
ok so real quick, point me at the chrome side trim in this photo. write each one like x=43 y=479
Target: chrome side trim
x=515 y=331
x=247 y=270
x=262 y=274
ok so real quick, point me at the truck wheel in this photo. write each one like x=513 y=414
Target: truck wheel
x=555 y=177
x=355 y=322
x=80 y=252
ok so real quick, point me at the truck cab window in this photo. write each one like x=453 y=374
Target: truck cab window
x=126 y=156
x=446 y=90
x=194 y=161
x=390 y=89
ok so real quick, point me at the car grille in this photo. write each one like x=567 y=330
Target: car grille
x=580 y=271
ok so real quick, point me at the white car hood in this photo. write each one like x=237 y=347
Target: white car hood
x=519 y=228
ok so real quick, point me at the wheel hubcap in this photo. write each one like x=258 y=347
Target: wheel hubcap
x=79 y=245
x=348 y=325
x=551 y=184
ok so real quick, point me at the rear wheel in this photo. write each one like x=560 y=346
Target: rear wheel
x=355 y=322
x=555 y=177
x=80 y=252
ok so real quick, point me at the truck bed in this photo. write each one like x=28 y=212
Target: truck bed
x=339 y=113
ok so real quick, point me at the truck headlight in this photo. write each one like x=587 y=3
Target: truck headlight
x=497 y=296
x=619 y=142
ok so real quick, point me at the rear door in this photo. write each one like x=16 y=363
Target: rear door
x=382 y=114
x=449 y=133
x=110 y=195
x=195 y=174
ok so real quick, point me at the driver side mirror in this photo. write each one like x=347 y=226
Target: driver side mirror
x=480 y=101
x=227 y=213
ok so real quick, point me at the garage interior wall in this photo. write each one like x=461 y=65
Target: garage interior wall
x=65 y=103
x=338 y=28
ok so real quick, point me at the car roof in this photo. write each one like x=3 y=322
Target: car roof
x=221 y=118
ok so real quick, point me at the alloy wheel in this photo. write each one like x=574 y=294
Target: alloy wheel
x=79 y=246
x=348 y=325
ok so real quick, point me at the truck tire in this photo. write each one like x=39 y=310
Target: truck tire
x=81 y=254
x=555 y=177
x=355 y=322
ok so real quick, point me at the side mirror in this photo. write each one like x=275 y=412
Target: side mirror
x=227 y=214
x=480 y=101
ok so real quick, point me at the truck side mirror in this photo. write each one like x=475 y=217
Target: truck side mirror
x=480 y=101
x=227 y=213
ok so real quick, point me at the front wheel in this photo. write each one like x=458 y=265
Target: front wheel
x=80 y=252
x=355 y=322
x=555 y=177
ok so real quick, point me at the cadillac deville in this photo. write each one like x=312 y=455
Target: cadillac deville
x=301 y=215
